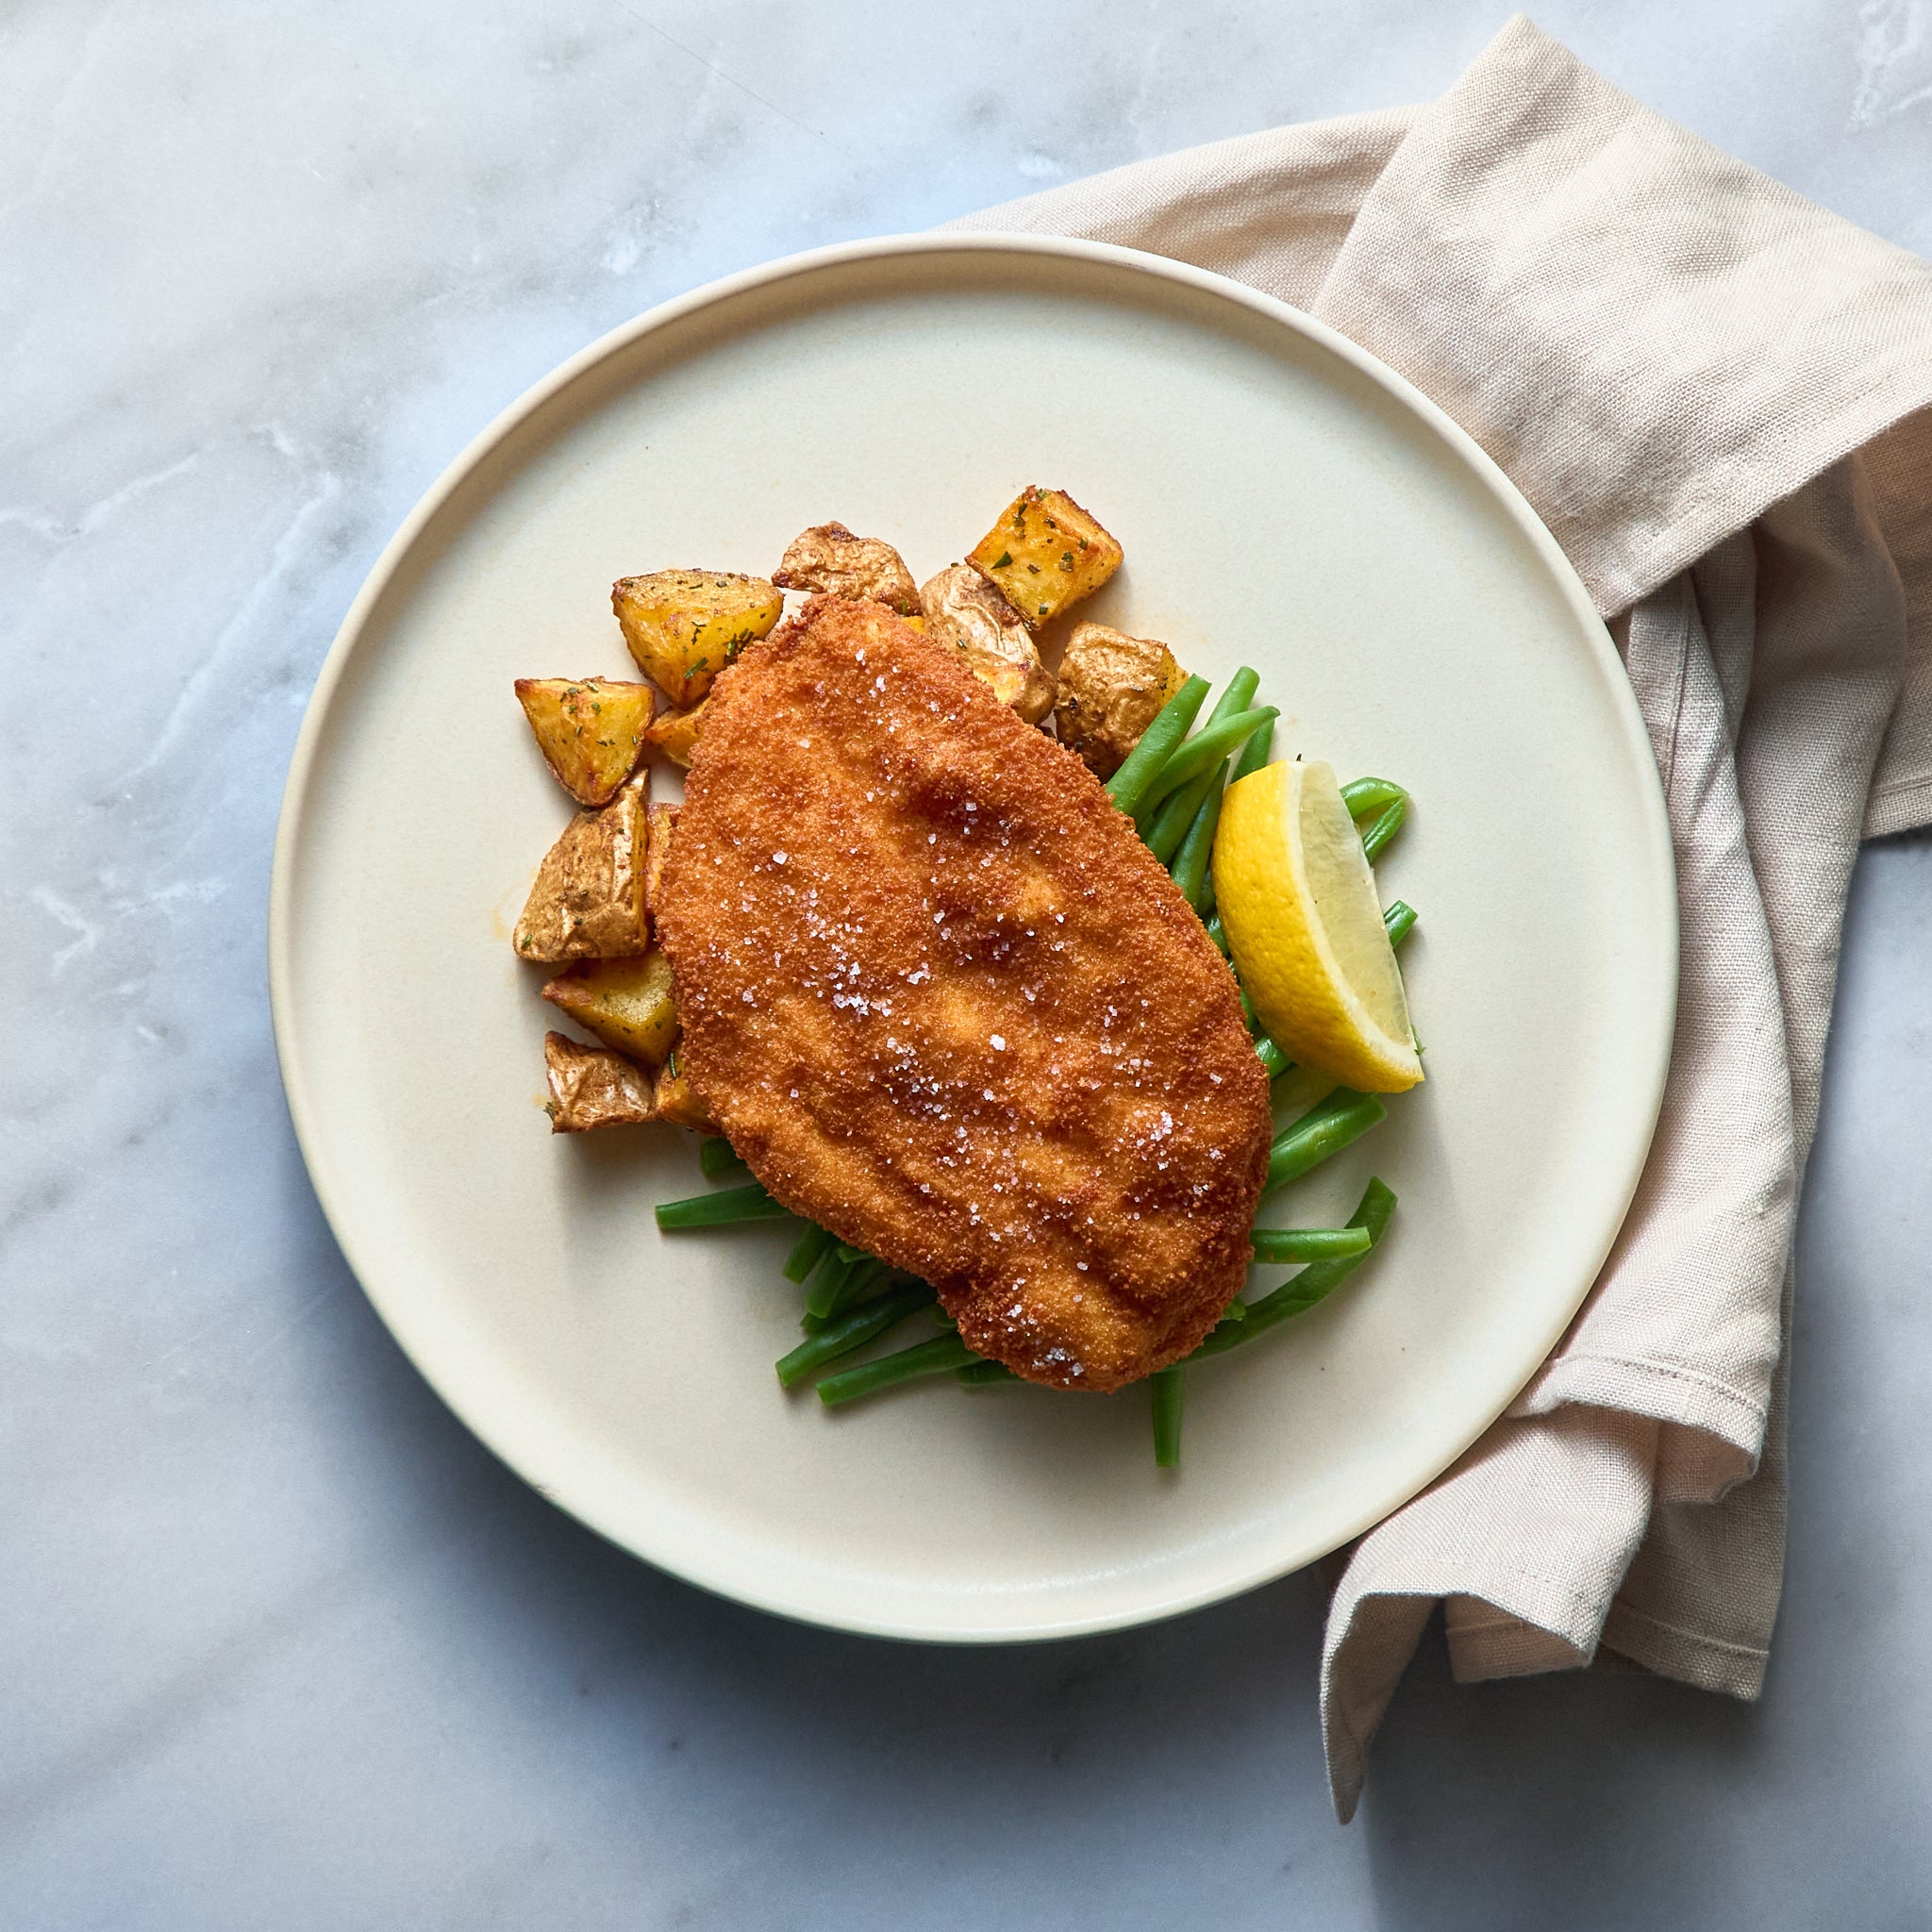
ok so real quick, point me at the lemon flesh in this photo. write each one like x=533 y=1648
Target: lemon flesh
x=1298 y=903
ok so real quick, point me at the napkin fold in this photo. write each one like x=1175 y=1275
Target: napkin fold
x=1716 y=396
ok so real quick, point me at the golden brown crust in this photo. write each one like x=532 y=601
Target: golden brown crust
x=945 y=1003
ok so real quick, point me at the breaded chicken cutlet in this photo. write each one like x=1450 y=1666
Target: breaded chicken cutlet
x=944 y=1002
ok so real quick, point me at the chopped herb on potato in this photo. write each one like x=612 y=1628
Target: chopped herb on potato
x=1044 y=554
x=591 y=730
x=683 y=627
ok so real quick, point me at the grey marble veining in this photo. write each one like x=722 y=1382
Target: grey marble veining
x=282 y=1645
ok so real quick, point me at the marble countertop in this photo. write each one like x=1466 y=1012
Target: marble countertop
x=284 y=1647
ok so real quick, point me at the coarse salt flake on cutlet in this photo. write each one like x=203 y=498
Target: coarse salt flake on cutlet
x=944 y=1002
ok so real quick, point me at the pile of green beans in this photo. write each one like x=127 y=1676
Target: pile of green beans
x=1172 y=786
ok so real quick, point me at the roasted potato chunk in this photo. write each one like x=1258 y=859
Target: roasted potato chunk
x=589 y=1087
x=626 y=1002
x=964 y=609
x=589 y=899
x=663 y=821
x=683 y=627
x=678 y=1103
x=590 y=729
x=1111 y=686
x=829 y=559
x=1044 y=554
x=675 y=732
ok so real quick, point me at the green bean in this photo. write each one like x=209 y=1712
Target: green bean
x=1218 y=933
x=1170 y=726
x=1313 y=1284
x=1344 y=1116
x=1169 y=1390
x=1239 y=695
x=1277 y=1244
x=1169 y=825
x=725 y=1208
x=717 y=1157
x=1209 y=748
x=824 y=1291
x=1399 y=921
x=1163 y=823
x=1190 y=863
x=861 y=1282
x=855 y=1331
x=1366 y=795
x=807 y=1254
x=1273 y=1058
x=1382 y=828
x=934 y=1358
x=1237 y=1310
x=1299 y=1091
x=982 y=1375
x=1255 y=753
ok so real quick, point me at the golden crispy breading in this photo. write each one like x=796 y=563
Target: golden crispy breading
x=589 y=1087
x=829 y=558
x=587 y=902
x=943 y=1001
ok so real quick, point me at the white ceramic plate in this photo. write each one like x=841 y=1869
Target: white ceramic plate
x=1284 y=501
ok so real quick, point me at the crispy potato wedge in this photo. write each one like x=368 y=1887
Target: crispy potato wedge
x=626 y=1002
x=964 y=609
x=683 y=627
x=589 y=1087
x=678 y=1103
x=591 y=730
x=663 y=821
x=829 y=558
x=1044 y=554
x=1111 y=686
x=675 y=732
x=587 y=902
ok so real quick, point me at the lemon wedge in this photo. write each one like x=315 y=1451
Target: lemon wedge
x=1298 y=901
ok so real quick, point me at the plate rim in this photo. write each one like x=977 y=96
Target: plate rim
x=303 y=1110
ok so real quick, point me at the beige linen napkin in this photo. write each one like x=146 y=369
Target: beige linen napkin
x=1716 y=396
